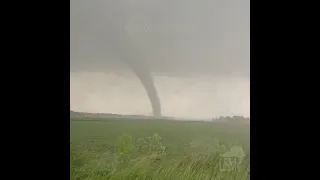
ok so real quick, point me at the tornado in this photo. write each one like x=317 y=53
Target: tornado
x=120 y=43
x=127 y=52
x=147 y=81
x=105 y=25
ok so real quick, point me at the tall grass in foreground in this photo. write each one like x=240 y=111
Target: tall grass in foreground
x=148 y=159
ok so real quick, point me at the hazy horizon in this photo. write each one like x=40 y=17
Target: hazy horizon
x=184 y=97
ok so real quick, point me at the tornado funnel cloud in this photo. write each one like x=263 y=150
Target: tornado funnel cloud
x=128 y=54
x=147 y=81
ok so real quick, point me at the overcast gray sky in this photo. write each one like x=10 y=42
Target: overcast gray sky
x=184 y=39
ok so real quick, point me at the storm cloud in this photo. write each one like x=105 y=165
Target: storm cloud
x=174 y=40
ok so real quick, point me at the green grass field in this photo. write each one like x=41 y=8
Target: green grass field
x=154 y=149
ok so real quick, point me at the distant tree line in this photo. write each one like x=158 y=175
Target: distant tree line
x=231 y=118
x=84 y=114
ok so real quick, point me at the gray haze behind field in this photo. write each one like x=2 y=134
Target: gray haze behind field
x=197 y=53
